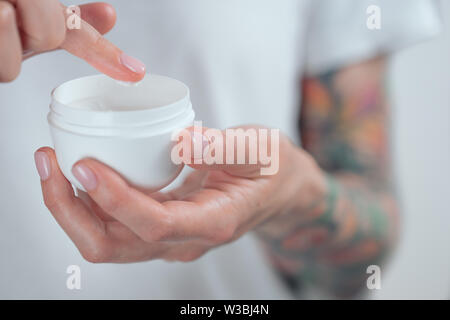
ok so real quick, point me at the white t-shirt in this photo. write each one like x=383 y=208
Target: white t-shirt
x=242 y=60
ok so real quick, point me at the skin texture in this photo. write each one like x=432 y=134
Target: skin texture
x=29 y=27
x=344 y=127
x=115 y=222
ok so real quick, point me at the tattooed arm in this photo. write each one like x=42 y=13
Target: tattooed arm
x=343 y=126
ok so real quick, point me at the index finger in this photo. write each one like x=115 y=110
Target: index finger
x=85 y=42
x=151 y=220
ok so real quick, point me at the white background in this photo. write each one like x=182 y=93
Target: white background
x=421 y=97
x=35 y=252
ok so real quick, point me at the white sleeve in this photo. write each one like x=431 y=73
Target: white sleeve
x=338 y=33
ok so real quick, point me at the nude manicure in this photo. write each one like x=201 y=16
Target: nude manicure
x=85 y=176
x=132 y=63
x=42 y=165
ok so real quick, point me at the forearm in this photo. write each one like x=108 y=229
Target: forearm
x=365 y=223
x=353 y=224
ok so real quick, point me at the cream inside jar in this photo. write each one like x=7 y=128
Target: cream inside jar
x=129 y=128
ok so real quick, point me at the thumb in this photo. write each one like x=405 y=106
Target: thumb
x=246 y=151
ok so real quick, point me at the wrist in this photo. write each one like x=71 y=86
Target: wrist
x=304 y=198
x=326 y=217
x=312 y=188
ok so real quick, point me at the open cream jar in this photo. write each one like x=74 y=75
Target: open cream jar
x=127 y=127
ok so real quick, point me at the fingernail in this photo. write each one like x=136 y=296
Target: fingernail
x=198 y=138
x=85 y=176
x=42 y=165
x=132 y=63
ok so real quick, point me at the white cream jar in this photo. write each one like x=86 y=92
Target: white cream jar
x=127 y=127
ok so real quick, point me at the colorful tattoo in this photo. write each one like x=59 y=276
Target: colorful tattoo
x=343 y=125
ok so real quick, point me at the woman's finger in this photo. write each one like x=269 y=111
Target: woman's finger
x=100 y=15
x=93 y=206
x=88 y=44
x=85 y=229
x=129 y=247
x=43 y=24
x=185 y=252
x=151 y=220
x=97 y=240
x=10 y=47
x=134 y=209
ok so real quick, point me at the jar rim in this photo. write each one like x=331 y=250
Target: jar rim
x=154 y=100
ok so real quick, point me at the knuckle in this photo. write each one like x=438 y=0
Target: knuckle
x=7 y=13
x=59 y=36
x=162 y=231
x=49 y=40
x=50 y=34
x=223 y=235
x=11 y=65
x=97 y=253
x=52 y=203
x=10 y=75
x=190 y=256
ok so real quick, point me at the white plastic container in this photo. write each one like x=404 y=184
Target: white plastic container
x=127 y=127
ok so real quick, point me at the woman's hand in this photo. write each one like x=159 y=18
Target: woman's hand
x=29 y=27
x=114 y=222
